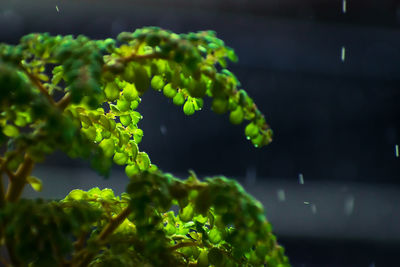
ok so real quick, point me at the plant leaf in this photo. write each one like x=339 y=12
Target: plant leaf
x=35 y=182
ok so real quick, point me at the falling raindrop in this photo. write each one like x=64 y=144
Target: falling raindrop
x=57 y=9
x=281 y=195
x=349 y=205
x=344 y=6
x=301 y=178
x=306 y=202
x=396 y=149
x=251 y=176
x=163 y=130
x=343 y=53
x=313 y=208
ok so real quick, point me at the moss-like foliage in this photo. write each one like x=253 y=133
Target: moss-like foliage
x=80 y=96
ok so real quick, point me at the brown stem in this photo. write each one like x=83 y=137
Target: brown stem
x=114 y=223
x=10 y=174
x=78 y=245
x=64 y=102
x=17 y=183
x=134 y=57
x=4 y=168
x=183 y=244
x=139 y=57
x=109 y=229
x=2 y=194
x=38 y=84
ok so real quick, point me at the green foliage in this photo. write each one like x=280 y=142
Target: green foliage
x=44 y=235
x=88 y=109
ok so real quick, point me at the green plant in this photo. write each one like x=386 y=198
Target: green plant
x=87 y=109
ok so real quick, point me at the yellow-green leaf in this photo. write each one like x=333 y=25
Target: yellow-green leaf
x=142 y=79
x=10 y=130
x=188 y=108
x=236 y=116
x=179 y=99
x=251 y=130
x=111 y=91
x=143 y=161
x=77 y=194
x=107 y=145
x=202 y=261
x=187 y=213
x=35 y=182
x=130 y=92
x=90 y=132
x=43 y=77
x=125 y=119
x=169 y=91
x=157 y=82
x=123 y=105
x=214 y=236
x=120 y=158
x=131 y=170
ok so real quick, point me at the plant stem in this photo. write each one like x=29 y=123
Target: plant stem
x=64 y=102
x=78 y=245
x=2 y=195
x=134 y=56
x=17 y=183
x=183 y=244
x=114 y=223
x=109 y=229
x=38 y=84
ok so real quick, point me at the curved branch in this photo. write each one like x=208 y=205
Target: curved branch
x=64 y=102
x=114 y=223
x=16 y=185
x=38 y=84
x=183 y=244
x=133 y=57
x=109 y=229
x=2 y=194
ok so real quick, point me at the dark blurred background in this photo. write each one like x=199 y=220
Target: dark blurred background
x=328 y=82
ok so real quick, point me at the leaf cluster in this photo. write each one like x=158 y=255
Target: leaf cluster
x=81 y=96
x=211 y=227
x=100 y=84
